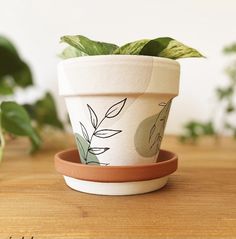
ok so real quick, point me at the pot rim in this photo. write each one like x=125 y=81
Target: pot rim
x=79 y=59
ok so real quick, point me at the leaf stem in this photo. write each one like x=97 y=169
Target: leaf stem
x=90 y=140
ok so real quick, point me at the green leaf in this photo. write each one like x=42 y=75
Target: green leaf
x=4 y=42
x=161 y=47
x=5 y=87
x=194 y=130
x=9 y=60
x=230 y=108
x=176 y=50
x=23 y=77
x=132 y=48
x=144 y=47
x=15 y=120
x=225 y=93
x=44 y=112
x=156 y=46
x=70 y=52
x=208 y=128
x=11 y=65
x=230 y=49
x=89 y=47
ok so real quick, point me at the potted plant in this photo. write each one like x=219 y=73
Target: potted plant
x=18 y=120
x=118 y=98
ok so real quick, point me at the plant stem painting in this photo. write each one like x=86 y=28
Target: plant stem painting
x=157 y=129
x=150 y=131
x=88 y=153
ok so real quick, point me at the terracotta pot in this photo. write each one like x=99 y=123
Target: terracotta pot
x=118 y=106
x=115 y=180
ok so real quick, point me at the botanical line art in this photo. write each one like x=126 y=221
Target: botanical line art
x=157 y=129
x=87 y=152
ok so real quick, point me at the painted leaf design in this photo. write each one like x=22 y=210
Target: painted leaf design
x=106 y=133
x=80 y=145
x=157 y=130
x=93 y=117
x=84 y=132
x=114 y=110
x=152 y=130
x=83 y=146
x=97 y=150
x=156 y=141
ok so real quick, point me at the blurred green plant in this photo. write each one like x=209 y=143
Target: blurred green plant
x=225 y=96
x=21 y=120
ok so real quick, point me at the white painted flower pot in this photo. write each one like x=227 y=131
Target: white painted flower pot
x=118 y=105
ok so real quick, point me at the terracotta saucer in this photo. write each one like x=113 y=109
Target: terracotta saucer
x=68 y=163
x=115 y=180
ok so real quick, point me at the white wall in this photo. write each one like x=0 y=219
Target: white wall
x=36 y=26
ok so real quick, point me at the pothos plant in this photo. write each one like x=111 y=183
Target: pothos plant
x=223 y=121
x=161 y=47
x=15 y=119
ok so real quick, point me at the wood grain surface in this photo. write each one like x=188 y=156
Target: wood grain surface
x=198 y=202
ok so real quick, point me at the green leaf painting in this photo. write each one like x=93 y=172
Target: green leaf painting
x=160 y=47
x=150 y=131
x=83 y=147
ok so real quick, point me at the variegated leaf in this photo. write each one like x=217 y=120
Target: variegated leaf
x=89 y=47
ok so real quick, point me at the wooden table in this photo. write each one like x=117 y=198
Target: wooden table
x=198 y=202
